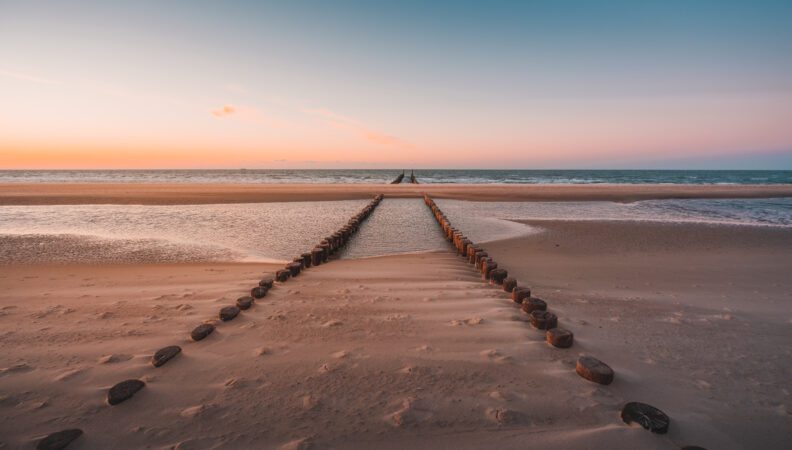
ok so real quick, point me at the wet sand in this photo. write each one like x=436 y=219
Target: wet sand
x=414 y=350
x=169 y=194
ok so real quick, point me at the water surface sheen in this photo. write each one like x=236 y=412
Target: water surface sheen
x=386 y=175
x=402 y=225
x=281 y=231
x=769 y=212
x=254 y=232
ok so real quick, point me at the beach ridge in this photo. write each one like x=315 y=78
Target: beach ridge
x=184 y=193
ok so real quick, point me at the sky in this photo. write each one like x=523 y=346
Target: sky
x=408 y=84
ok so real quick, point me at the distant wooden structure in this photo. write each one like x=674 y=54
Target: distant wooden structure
x=398 y=179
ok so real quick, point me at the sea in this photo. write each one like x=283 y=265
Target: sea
x=278 y=231
x=387 y=175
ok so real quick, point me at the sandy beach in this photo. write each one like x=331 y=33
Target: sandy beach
x=414 y=350
x=180 y=194
x=396 y=225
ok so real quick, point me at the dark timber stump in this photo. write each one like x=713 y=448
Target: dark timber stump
x=258 y=292
x=471 y=250
x=294 y=268
x=59 y=440
x=531 y=304
x=282 y=275
x=647 y=416
x=244 y=302
x=228 y=313
x=480 y=258
x=463 y=246
x=544 y=320
x=559 y=337
x=497 y=276
x=164 y=355
x=488 y=267
x=124 y=391
x=594 y=370
x=326 y=252
x=306 y=257
x=509 y=284
x=520 y=293
x=317 y=256
x=201 y=331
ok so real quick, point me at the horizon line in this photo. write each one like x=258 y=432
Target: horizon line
x=242 y=169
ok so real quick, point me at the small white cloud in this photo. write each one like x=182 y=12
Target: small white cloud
x=226 y=110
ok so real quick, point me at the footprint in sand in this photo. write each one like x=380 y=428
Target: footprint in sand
x=36 y=404
x=471 y=321
x=194 y=411
x=703 y=385
x=500 y=396
x=408 y=369
x=235 y=383
x=328 y=368
x=504 y=416
x=114 y=358
x=69 y=374
x=490 y=353
x=410 y=411
x=310 y=402
x=57 y=309
x=16 y=368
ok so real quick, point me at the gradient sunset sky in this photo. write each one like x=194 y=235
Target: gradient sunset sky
x=352 y=84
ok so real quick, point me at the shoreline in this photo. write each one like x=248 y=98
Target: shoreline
x=672 y=230
x=186 y=194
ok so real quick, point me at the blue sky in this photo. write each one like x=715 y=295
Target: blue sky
x=530 y=84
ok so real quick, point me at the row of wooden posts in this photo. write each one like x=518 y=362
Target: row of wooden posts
x=400 y=178
x=587 y=367
x=536 y=308
x=320 y=254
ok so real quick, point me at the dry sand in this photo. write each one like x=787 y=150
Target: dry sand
x=415 y=350
x=694 y=319
x=165 y=194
